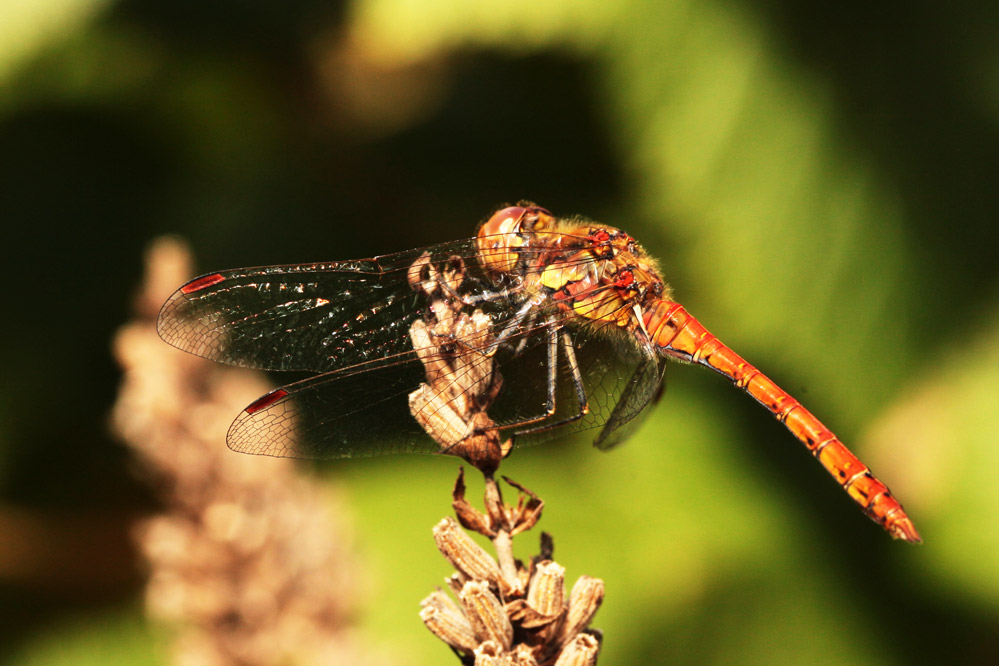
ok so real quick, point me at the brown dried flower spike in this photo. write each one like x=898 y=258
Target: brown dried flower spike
x=507 y=613
x=529 y=622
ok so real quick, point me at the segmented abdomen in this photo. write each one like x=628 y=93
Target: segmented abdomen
x=676 y=333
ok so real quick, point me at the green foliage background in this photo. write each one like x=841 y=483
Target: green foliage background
x=818 y=181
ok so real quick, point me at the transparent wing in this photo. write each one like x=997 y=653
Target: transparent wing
x=311 y=317
x=644 y=387
x=341 y=414
x=359 y=412
x=317 y=317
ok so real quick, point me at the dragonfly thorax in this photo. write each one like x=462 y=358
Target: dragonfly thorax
x=597 y=273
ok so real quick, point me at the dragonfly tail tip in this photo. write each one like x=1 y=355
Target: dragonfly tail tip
x=905 y=530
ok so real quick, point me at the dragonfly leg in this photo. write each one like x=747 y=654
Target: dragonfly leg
x=552 y=378
x=577 y=376
x=526 y=310
x=554 y=341
x=577 y=382
x=550 y=383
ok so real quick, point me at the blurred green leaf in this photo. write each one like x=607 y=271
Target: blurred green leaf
x=27 y=27
x=941 y=438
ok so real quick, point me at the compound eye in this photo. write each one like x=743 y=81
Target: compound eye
x=499 y=240
x=505 y=221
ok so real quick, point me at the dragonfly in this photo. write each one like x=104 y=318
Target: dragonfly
x=581 y=328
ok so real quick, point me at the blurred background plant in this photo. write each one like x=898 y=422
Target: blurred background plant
x=248 y=561
x=817 y=180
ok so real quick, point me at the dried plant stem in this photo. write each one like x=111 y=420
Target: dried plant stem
x=503 y=543
x=503 y=540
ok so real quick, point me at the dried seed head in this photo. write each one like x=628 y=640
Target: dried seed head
x=490 y=654
x=582 y=651
x=523 y=655
x=546 y=593
x=437 y=414
x=541 y=614
x=448 y=622
x=584 y=601
x=464 y=554
x=470 y=517
x=528 y=510
x=486 y=614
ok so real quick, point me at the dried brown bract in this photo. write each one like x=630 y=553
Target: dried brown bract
x=498 y=517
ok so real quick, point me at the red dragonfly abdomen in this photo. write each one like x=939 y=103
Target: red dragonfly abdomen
x=676 y=333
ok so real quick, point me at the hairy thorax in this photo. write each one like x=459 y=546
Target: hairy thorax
x=598 y=273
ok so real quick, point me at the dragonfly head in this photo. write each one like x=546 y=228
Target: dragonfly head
x=501 y=238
